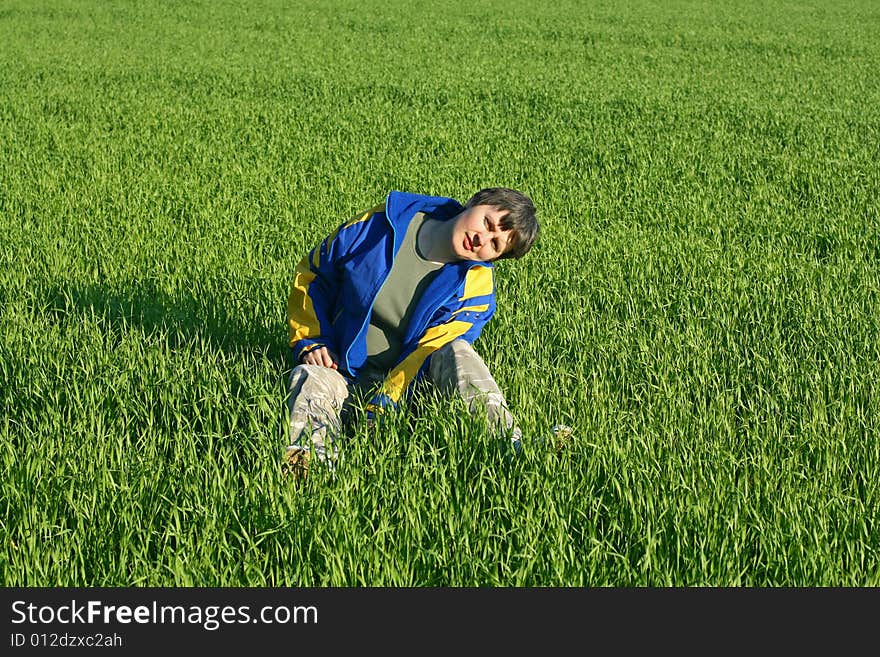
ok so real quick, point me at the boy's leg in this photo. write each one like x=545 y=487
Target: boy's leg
x=457 y=368
x=315 y=399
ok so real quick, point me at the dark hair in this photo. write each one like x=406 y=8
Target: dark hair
x=520 y=217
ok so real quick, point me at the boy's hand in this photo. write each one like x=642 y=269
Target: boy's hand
x=320 y=356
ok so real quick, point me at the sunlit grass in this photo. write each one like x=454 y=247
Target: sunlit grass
x=702 y=308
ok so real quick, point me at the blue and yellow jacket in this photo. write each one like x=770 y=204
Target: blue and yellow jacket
x=335 y=285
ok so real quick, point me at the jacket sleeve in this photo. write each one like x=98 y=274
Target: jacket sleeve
x=464 y=319
x=315 y=287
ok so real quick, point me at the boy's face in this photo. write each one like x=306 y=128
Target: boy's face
x=477 y=234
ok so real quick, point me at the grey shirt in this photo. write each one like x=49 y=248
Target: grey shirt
x=397 y=299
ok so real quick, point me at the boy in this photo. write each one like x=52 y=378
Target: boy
x=399 y=293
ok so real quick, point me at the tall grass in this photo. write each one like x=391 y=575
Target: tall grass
x=701 y=307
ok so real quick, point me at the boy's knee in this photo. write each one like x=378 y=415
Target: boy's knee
x=452 y=349
x=444 y=357
x=452 y=361
x=307 y=370
x=300 y=373
x=313 y=376
x=304 y=370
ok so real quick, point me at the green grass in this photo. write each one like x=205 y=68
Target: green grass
x=702 y=307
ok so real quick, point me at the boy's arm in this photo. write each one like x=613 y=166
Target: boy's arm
x=465 y=321
x=315 y=285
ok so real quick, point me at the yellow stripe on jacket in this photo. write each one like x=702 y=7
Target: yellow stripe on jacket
x=301 y=318
x=478 y=283
x=472 y=309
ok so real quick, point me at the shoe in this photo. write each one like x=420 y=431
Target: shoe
x=295 y=463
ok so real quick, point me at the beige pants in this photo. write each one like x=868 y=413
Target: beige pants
x=317 y=397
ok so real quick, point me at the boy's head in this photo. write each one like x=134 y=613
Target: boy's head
x=516 y=213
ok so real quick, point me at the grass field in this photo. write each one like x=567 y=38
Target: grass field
x=702 y=307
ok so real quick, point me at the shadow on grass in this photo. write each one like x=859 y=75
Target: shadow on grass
x=235 y=317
